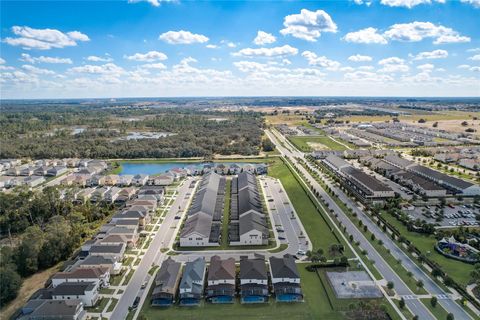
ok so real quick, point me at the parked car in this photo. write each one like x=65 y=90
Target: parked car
x=136 y=302
x=301 y=253
x=281 y=238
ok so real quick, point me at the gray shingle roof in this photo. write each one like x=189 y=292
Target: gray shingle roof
x=194 y=271
x=72 y=288
x=284 y=267
x=167 y=277
x=253 y=269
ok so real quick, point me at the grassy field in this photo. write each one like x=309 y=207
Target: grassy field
x=459 y=271
x=301 y=142
x=419 y=114
x=318 y=305
x=317 y=229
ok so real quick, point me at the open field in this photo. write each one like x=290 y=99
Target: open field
x=308 y=143
x=320 y=303
x=285 y=118
x=430 y=117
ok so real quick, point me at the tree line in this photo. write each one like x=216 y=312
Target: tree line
x=44 y=229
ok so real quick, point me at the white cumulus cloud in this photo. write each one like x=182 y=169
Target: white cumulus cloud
x=44 y=39
x=367 y=35
x=155 y=3
x=308 y=25
x=393 y=65
x=104 y=69
x=435 y=54
x=474 y=3
x=36 y=70
x=182 y=37
x=320 y=61
x=475 y=57
x=42 y=59
x=148 y=57
x=263 y=38
x=407 y=32
x=99 y=59
x=408 y=3
x=359 y=58
x=417 y=31
x=285 y=50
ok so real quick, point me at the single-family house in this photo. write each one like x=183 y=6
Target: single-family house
x=166 y=283
x=192 y=283
x=253 y=280
x=221 y=280
x=285 y=279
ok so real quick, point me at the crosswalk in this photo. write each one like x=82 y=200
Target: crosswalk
x=414 y=297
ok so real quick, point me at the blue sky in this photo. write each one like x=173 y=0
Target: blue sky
x=213 y=48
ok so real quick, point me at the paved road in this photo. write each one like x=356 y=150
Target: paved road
x=163 y=236
x=414 y=304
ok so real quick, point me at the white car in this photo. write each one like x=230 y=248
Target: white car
x=301 y=253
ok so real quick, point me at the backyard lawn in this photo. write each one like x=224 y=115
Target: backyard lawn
x=316 y=306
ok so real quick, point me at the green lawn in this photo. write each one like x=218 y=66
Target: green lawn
x=226 y=214
x=101 y=304
x=301 y=142
x=316 y=306
x=438 y=311
x=318 y=230
x=112 y=305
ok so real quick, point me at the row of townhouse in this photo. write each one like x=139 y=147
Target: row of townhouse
x=248 y=224
x=453 y=185
x=50 y=167
x=78 y=285
x=410 y=180
x=218 y=282
x=366 y=188
x=7 y=182
x=202 y=227
x=468 y=158
x=104 y=194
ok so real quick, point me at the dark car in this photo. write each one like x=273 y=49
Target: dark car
x=281 y=238
x=136 y=303
x=177 y=217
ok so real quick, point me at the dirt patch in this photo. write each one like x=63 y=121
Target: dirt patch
x=29 y=286
x=450 y=125
x=317 y=146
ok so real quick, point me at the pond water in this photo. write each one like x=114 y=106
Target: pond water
x=160 y=167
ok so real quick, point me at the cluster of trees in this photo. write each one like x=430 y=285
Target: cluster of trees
x=43 y=230
x=48 y=133
x=367 y=310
